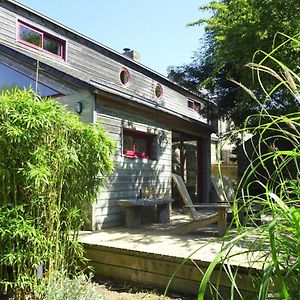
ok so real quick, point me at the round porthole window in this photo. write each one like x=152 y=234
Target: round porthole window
x=158 y=91
x=125 y=76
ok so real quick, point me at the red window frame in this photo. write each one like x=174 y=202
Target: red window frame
x=43 y=34
x=132 y=152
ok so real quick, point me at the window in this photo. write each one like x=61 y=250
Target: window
x=190 y=104
x=158 y=91
x=194 y=105
x=125 y=76
x=39 y=39
x=137 y=144
x=13 y=79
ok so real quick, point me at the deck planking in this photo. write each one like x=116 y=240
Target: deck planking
x=149 y=255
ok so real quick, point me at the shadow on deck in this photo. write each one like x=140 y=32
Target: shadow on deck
x=149 y=255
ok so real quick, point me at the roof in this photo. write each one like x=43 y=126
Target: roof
x=110 y=52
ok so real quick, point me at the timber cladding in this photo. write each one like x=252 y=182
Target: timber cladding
x=132 y=175
x=155 y=270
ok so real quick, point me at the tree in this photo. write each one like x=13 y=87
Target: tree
x=235 y=31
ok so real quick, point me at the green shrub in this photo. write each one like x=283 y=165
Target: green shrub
x=61 y=287
x=51 y=167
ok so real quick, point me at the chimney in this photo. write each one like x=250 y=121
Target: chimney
x=132 y=54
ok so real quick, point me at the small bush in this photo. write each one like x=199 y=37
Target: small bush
x=61 y=287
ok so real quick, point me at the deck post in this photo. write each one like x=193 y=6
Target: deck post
x=203 y=172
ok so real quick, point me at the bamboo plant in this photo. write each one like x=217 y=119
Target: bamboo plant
x=51 y=168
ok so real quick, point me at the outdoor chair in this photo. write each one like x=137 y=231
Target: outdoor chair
x=224 y=193
x=223 y=189
x=198 y=220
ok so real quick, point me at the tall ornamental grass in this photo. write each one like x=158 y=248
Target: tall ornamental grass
x=51 y=167
x=271 y=235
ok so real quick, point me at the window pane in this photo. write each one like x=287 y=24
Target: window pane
x=10 y=78
x=140 y=145
x=190 y=104
x=30 y=36
x=158 y=91
x=197 y=106
x=128 y=142
x=137 y=144
x=125 y=76
x=134 y=143
x=52 y=45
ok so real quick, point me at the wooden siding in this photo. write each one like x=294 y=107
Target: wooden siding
x=87 y=62
x=131 y=175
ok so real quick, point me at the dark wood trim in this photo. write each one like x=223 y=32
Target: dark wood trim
x=182 y=161
x=200 y=183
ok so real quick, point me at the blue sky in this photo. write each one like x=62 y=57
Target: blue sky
x=155 y=28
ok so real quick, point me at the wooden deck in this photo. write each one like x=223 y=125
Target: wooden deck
x=149 y=256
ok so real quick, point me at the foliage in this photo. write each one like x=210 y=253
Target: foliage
x=50 y=167
x=61 y=287
x=271 y=236
x=236 y=29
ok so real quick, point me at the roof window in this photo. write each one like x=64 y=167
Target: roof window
x=125 y=77
x=14 y=78
x=195 y=105
x=38 y=39
x=158 y=91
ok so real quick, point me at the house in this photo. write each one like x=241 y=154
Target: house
x=152 y=119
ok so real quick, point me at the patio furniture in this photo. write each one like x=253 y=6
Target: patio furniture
x=133 y=210
x=224 y=192
x=223 y=188
x=198 y=221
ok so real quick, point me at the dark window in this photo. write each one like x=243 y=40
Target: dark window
x=137 y=144
x=158 y=91
x=39 y=39
x=190 y=104
x=10 y=78
x=125 y=76
x=53 y=46
x=197 y=106
x=194 y=105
